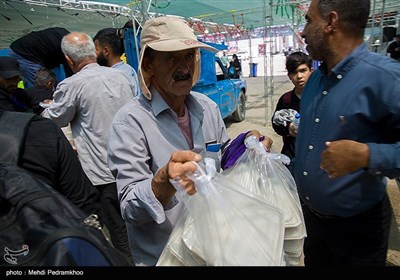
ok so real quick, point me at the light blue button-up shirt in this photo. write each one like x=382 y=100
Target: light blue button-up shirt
x=360 y=101
x=143 y=136
x=130 y=72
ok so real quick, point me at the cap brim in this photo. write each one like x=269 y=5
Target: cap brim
x=179 y=45
x=10 y=74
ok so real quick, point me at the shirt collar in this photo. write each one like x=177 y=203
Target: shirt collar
x=346 y=64
x=117 y=64
x=90 y=65
x=159 y=105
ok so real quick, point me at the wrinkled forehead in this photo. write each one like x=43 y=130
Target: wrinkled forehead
x=160 y=54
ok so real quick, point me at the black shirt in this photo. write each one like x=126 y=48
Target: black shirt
x=288 y=102
x=48 y=155
x=236 y=64
x=40 y=92
x=391 y=49
x=43 y=47
x=19 y=101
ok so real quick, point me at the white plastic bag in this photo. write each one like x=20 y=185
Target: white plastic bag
x=265 y=175
x=176 y=253
x=283 y=116
x=226 y=226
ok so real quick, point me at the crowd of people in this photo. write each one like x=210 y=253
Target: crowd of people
x=135 y=131
x=88 y=101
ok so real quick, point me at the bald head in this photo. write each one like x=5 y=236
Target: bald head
x=78 y=47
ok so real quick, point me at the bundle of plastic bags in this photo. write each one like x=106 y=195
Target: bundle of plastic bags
x=283 y=116
x=224 y=225
x=265 y=175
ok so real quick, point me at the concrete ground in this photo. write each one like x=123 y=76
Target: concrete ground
x=258 y=116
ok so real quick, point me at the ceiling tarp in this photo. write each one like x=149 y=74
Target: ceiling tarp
x=232 y=17
x=246 y=13
x=18 y=18
x=242 y=13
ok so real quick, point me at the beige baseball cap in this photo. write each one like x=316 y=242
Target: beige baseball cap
x=167 y=34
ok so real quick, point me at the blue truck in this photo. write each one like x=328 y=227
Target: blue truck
x=214 y=81
x=228 y=93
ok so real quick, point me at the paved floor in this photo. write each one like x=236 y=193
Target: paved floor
x=258 y=116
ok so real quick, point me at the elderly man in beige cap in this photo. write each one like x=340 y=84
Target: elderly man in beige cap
x=158 y=135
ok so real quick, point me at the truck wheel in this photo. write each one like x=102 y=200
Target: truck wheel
x=240 y=112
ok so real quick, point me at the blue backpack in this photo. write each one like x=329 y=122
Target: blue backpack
x=40 y=226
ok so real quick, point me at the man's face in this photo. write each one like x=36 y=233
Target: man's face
x=10 y=85
x=172 y=72
x=101 y=58
x=313 y=32
x=300 y=76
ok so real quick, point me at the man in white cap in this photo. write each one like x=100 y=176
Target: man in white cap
x=157 y=135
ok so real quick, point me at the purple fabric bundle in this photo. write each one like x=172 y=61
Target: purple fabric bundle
x=235 y=150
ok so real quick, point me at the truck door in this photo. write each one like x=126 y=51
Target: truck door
x=227 y=99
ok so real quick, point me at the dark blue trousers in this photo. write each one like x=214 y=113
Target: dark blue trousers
x=361 y=240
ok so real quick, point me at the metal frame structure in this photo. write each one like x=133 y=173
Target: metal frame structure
x=385 y=11
x=81 y=5
x=268 y=61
